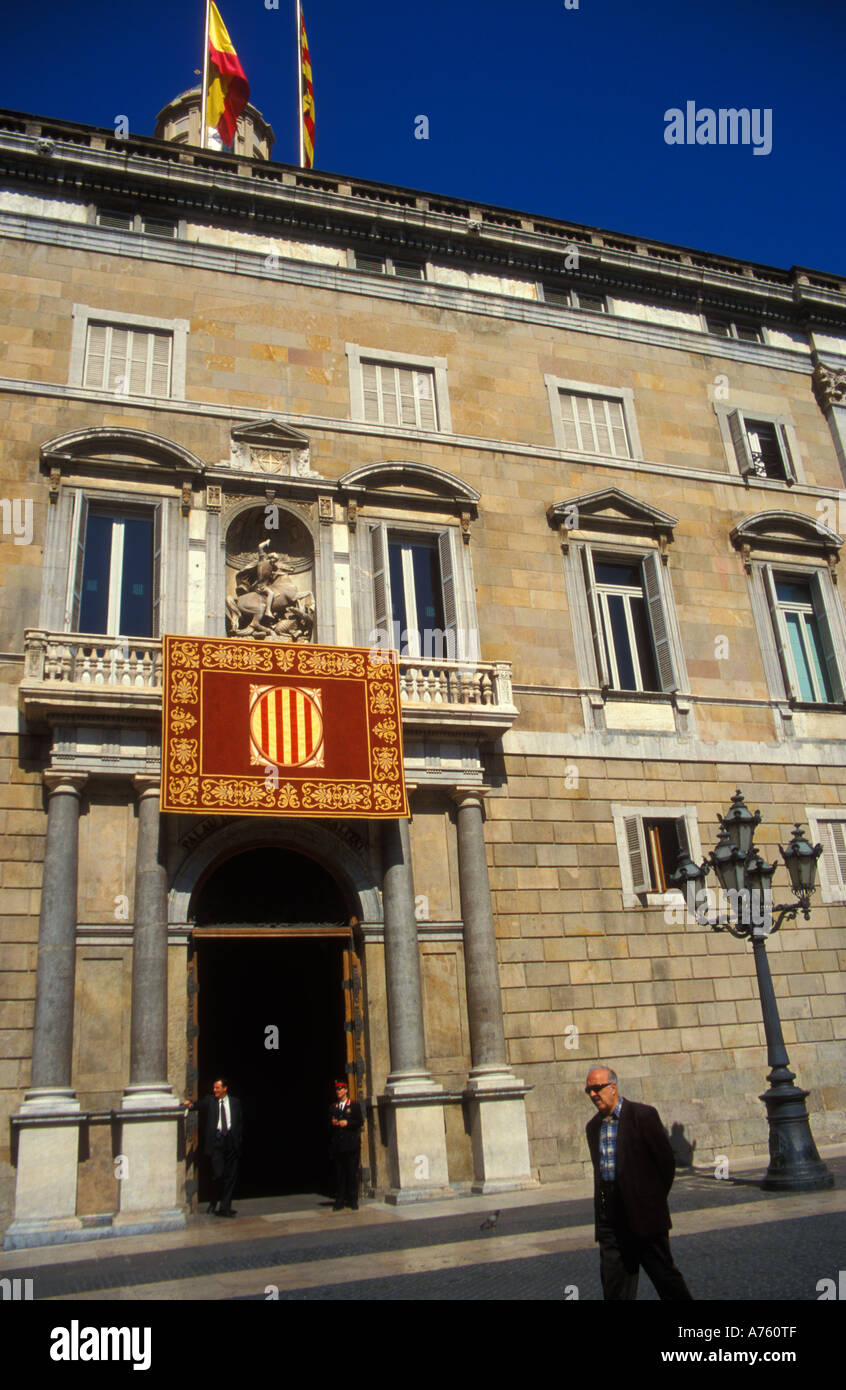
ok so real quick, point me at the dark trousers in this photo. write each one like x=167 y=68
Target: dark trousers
x=345 y=1166
x=622 y=1253
x=224 y=1164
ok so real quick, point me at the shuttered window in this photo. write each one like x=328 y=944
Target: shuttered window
x=399 y=395
x=128 y=361
x=804 y=637
x=762 y=448
x=629 y=623
x=594 y=425
x=832 y=835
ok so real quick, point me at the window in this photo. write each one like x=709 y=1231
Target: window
x=389 y=265
x=593 y=420
x=128 y=354
x=399 y=396
x=730 y=328
x=417 y=593
x=649 y=841
x=761 y=447
x=574 y=299
x=387 y=388
x=137 y=222
x=129 y=361
x=628 y=622
x=804 y=637
x=116 y=580
x=828 y=828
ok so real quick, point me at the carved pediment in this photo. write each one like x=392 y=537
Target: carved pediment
x=611 y=511
x=403 y=479
x=116 y=448
x=269 y=446
x=786 y=532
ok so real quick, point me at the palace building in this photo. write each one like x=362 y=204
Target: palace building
x=588 y=486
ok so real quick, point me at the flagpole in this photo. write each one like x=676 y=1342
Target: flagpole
x=204 y=98
x=300 y=83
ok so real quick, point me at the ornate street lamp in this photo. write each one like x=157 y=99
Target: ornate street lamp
x=746 y=878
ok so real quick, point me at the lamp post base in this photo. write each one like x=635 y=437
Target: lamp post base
x=795 y=1165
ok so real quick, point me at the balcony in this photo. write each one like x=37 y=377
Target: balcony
x=70 y=676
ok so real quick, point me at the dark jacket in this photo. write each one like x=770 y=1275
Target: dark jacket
x=208 y=1108
x=645 y=1168
x=346 y=1140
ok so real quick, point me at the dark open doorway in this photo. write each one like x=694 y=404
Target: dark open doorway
x=271 y=954
x=246 y=987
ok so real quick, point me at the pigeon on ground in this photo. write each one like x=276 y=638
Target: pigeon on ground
x=489 y=1223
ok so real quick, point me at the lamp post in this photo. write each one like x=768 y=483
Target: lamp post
x=746 y=880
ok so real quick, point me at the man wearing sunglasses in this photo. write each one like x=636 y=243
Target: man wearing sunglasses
x=633 y=1169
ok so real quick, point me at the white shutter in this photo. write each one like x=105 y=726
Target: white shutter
x=95 y=356
x=636 y=850
x=117 y=367
x=424 y=387
x=449 y=580
x=658 y=623
x=597 y=632
x=829 y=652
x=568 y=422
x=381 y=578
x=740 y=440
x=406 y=396
x=787 y=456
x=782 y=640
x=833 y=838
x=74 y=597
x=370 y=391
x=157 y=629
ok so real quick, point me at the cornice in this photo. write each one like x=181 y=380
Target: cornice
x=87 y=161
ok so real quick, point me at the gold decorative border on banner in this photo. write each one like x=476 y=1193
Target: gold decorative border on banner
x=193 y=783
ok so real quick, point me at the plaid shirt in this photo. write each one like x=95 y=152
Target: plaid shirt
x=608 y=1144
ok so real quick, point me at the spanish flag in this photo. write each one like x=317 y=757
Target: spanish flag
x=307 y=102
x=229 y=90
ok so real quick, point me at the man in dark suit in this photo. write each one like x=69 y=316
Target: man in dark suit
x=633 y=1169
x=346 y=1120
x=221 y=1126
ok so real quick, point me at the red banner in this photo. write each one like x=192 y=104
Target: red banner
x=281 y=729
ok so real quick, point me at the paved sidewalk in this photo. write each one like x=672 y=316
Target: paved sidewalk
x=730 y=1238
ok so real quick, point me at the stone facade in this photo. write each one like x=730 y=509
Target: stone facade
x=270 y=310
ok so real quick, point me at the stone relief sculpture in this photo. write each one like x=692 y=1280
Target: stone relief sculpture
x=269 y=596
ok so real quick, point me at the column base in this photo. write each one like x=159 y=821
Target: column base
x=495 y=1099
x=48 y=1123
x=147 y=1163
x=417 y=1159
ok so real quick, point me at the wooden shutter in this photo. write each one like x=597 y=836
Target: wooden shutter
x=740 y=441
x=659 y=624
x=782 y=640
x=449 y=580
x=829 y=651
x=636 y=850
x=597 y=631
x=381 y=578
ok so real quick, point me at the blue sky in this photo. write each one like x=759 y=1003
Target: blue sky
x=538 y=107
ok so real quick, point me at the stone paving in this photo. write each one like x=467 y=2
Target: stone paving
x=731 y=1240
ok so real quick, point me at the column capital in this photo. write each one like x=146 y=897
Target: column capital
x=56 y=780
x=146 y=785
x=469 y=796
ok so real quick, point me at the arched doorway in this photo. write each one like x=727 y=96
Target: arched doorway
x=274 y=979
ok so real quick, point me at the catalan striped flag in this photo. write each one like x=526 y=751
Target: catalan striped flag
x=228 y=89
x=306 y=102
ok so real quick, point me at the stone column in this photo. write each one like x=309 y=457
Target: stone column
x=50 y=1115
x=494 y=1096
x=829 y=385
x=149 y=1112
x=413 y=1102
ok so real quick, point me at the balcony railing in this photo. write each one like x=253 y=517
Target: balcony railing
x=74 y=672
